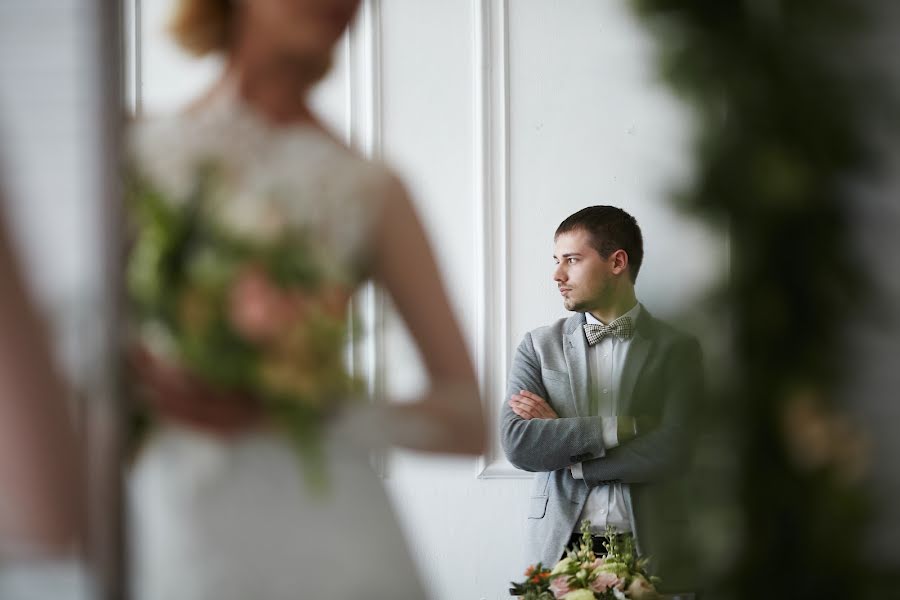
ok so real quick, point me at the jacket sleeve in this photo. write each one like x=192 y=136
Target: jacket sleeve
x=544 y=444
x=664 y=450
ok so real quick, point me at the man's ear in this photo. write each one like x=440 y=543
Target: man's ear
x=619 y=261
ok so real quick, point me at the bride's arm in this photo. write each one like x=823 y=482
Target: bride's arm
x=447 y=418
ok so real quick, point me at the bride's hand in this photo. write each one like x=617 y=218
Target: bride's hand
x=174 y=394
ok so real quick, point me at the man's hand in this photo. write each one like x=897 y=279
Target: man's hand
x=531 y=406
x=175 y=394
x=626 y=428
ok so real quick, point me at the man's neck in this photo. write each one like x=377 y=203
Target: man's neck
x=614 y=310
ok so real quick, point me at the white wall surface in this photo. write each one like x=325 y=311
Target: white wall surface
x=503 y=118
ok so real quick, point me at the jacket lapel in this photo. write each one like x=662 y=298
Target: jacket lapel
x=575 y=350
x=637 y=357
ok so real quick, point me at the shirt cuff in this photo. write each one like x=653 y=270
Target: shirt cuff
x=577 y=471
x=610 y=432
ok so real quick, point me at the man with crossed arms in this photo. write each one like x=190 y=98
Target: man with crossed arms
x=600 y=404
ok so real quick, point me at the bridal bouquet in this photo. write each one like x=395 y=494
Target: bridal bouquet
x=581 y=575
x=256 y=314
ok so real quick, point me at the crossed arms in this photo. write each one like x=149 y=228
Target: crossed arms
x=539 y=441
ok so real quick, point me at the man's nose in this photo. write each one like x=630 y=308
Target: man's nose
x=559 y=274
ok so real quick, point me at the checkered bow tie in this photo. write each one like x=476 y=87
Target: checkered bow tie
x=622 y=328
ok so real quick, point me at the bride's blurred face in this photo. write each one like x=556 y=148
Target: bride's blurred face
x=306 y=30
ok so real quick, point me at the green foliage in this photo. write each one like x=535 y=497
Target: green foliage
x=536 y=585
x=783 y=105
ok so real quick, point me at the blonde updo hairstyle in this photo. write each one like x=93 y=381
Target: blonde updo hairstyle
x=202 y=27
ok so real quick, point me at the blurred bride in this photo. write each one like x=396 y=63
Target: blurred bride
x=219 y=507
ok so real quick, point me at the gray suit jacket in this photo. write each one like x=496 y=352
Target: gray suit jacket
x=661 y=386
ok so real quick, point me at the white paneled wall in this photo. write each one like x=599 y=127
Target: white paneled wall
x=503 y=117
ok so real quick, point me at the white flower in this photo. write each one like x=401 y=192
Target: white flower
x=562 y=566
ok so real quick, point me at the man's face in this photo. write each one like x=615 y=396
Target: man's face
x=584 y=278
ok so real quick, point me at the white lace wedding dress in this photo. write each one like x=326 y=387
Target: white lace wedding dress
x=234 y=519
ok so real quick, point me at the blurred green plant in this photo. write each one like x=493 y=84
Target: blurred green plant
x=784 y=101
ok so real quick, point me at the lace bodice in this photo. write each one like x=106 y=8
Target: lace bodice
x=273 y=178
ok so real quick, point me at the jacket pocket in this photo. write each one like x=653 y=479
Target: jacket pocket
x=538 y=507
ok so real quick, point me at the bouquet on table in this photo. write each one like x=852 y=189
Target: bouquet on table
x=582 y=575
x=262 y=315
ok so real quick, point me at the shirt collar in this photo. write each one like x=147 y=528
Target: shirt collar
x=633 y=313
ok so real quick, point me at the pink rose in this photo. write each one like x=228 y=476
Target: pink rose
x=560 y=586
x=258 y=309
x=604 y=581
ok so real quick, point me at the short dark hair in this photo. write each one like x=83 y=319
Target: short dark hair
x=610 y=229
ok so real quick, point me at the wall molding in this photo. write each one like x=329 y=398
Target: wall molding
x=134 y=58
x=364 y=81
x=364 y=131
x=492 y=210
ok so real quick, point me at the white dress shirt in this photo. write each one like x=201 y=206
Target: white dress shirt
x=605 y=504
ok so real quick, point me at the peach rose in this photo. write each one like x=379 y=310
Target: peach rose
x=641 y=589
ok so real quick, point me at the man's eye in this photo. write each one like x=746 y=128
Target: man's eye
x=572 y=261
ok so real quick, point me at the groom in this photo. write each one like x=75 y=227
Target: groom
x=601 y=404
